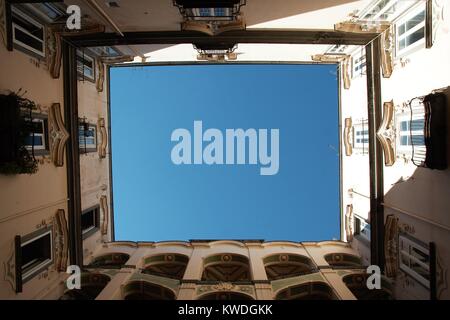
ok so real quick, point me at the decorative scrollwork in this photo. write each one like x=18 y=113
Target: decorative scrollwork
x=58 y=135
x=386 y=133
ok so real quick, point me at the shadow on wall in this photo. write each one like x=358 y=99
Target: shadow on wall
x=258 y=12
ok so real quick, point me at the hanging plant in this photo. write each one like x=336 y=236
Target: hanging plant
x=15 y=158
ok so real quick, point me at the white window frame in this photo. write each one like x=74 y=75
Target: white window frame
x=88 y=147
x=361 y=126
x=407 y=149
x=32 y=21
x=43 y=135
x=359 y=59
x=401 y=7
x=81 y=67
x=420 y=44
x=27 y=275
x=410 y=244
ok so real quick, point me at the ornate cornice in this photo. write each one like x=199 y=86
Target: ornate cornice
x=103 y=137
x=105 y=215
x=9 y=267
x=386 y=133
x=348 y=136
x=391 y=245
x=58 y=135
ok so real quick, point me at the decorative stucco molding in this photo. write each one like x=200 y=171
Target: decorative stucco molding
x=54 y=49
x=9 y=267
x=387 y=52
x=3 y=21
x=433 y=20
x=362 y=26
x=61 y=240
x=387 y=39
x=117 y=59
x=100 y=79
x=348 y=136
x=386 y=133
x=103 y=137
x=441 y=276
x=349 y=222
x=53 y=53
x=211 y=28
x=105 y=215
x=58 y=135
x=226 y=287
x=342 y=59
x=391 y=245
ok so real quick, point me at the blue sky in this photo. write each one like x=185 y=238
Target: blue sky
x=156 y=200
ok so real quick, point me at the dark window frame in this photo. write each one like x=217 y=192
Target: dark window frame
x=37 y=235
x=87 y=232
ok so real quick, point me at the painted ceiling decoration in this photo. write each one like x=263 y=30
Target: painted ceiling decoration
x=386 y=133
x=226 y=268
x=357 y=283
x=308 y=291
x=343 y=260
x=143 y=290
x=166 y=265
x=281 y=266
x=58 y=135
x=110 y=261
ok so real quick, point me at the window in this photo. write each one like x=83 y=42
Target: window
x=361 y=136
x=85 y=66
x=359 y=64
x=362 y=229
x=36 y=253
x=90 y=221
x=213 y=13
x=415 y=259
x=411 y=31
x=87 y=137
x=387 y=10
x=28 y=33
x=37 y=139
x=411 y=133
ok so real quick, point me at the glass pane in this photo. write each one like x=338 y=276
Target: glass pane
x=404 y=140
x=416 y=36
x=418 y=140
x=420 y=255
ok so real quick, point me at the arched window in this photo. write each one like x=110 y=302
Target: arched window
x=226 y=267
x=307 y=291
x=225 y=296
x=343 y=260
x=143 y=290
x=166 y=265
x=280 y=266
x=357 y=283
x=91 y=286
x=110 y=261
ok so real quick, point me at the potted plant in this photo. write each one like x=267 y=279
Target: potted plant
x=15 y=158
